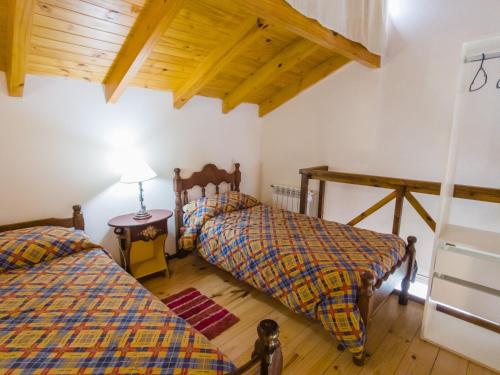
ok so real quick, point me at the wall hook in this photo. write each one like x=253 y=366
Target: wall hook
x=481 y=69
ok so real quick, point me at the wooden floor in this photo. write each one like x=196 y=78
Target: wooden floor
x=394 y=344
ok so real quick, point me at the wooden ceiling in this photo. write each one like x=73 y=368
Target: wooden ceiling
x=241 y=51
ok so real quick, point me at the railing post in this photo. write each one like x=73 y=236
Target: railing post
x=321 y=199
x=398 y=210
x=304 y=190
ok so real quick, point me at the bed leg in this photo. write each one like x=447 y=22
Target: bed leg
x=365 y=306
x=405 y=284
x=359 y=361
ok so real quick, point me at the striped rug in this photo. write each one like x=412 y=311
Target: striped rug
x=201 y=312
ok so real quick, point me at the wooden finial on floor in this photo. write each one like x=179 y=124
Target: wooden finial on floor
x=268 y=348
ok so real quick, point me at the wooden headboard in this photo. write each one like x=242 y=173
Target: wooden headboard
x=209 y=174
x=76 y=221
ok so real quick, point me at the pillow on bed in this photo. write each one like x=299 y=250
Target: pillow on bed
x=27 y=247
x=197 y=212
x=225 y=202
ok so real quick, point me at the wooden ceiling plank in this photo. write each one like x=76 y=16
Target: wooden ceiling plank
x=287 y=58
x=151 y=24
x=310 y=78
x=89 y=9
x=66 y=64
x=218 y=59
x=71 y=28
x=19 y=19
x=65 y=37
x=80 y=19
x=118 y=6
x=73 y=48
x=67 y=56
x=39 y=69
x=279 y=13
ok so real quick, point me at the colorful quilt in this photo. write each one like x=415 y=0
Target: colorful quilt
x=312 y=266
x=82 y=314
x=197 y=212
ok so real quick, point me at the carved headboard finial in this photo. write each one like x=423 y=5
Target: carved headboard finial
x=78 y=220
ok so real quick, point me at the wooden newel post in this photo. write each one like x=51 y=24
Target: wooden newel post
x=78 y=221
x=398 y=209
x=304 y=189
x=268 y=348
x=405 y=284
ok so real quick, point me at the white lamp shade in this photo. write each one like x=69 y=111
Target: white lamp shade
x=136 y=170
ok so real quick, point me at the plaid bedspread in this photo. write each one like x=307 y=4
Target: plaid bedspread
x=82 y=314
x=312 y=266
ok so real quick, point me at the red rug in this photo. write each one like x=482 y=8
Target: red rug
x=201 y=312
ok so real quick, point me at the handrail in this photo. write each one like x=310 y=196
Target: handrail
x=403 y=189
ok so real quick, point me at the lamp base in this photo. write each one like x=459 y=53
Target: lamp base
x=142 y=215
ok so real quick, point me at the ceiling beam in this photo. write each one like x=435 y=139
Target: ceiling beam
x=279 y=13
x=219 y=58
x=308 y=79
x=19 y=21
x=283 y=61
x=153 y=21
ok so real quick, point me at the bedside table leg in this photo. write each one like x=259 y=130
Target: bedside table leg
x=124 y=244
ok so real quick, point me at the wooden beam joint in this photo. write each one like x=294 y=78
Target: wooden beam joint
x=282 y=62
x=218 y=59
x=153 y=21
x=377 y=206
x=280 y=13
x=421 y=210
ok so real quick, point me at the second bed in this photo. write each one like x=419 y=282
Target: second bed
x=331 y=272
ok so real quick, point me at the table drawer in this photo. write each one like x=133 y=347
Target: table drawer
x=149 y=232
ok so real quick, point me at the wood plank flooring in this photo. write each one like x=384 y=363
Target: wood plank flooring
x=394 y=345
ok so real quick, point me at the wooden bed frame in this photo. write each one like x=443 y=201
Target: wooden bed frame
x=372 y=294
x=267 y=353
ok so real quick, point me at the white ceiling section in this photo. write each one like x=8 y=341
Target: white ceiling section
x=363 y=21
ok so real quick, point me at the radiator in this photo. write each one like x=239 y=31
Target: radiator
x=288 y=198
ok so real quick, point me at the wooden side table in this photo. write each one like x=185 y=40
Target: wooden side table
x=142 y=242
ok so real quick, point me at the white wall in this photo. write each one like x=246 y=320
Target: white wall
x=59 y=143
x=394 y=121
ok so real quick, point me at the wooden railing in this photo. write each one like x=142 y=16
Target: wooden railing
x=402 y=189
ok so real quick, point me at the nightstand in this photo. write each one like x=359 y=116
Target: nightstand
x=142 y=242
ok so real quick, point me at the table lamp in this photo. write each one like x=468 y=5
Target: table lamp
x=138 y=171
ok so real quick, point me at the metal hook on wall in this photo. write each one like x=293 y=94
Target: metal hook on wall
x=481 y=69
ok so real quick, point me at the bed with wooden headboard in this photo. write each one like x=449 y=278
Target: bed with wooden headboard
x=209 y=175
x=93 y=286
x=372 y=291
